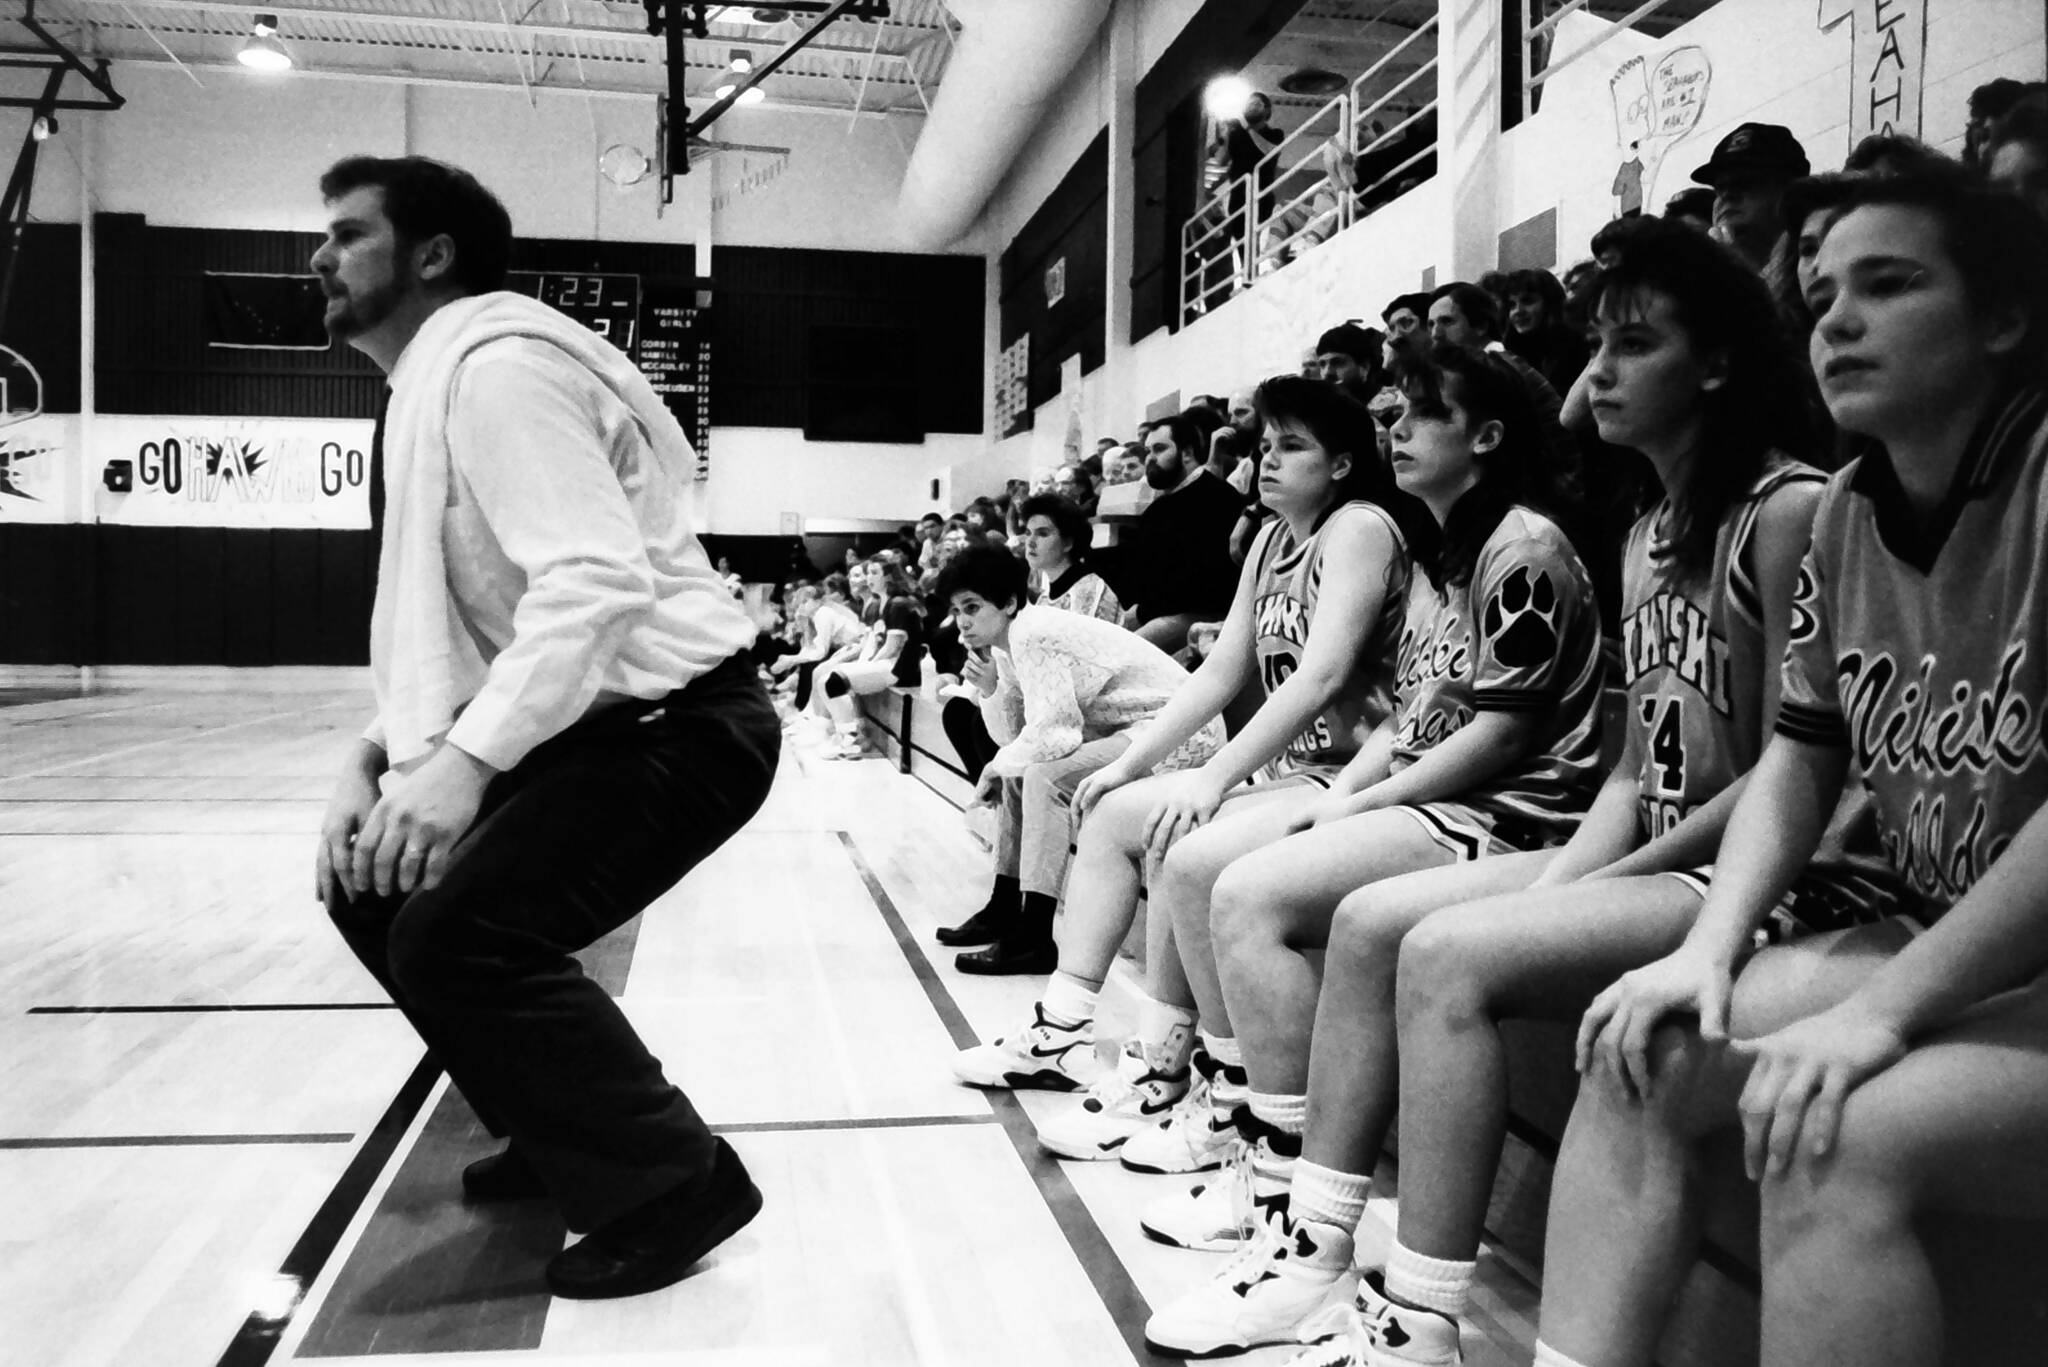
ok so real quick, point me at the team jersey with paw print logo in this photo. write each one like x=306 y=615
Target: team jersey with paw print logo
x=1522 y=636
x=1920 y=645
x=1692 y=656
x=1287 y=583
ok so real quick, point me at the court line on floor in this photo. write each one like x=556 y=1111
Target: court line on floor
x=181 y=1008
x=1127 y=1306
x=880 y=1122
x=175 y=1141
x=254 y=1342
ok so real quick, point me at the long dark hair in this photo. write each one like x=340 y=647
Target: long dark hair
x=1768 y=401
x=1343 y=426
x=1519 y=470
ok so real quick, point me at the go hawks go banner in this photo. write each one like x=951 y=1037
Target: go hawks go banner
x=232 y=472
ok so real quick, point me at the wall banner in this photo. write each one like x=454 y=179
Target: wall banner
x=232 y=472
x=37 y=457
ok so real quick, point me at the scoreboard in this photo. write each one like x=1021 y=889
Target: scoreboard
x=655 y=321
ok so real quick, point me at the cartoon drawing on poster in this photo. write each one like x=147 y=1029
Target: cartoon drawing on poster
x=1887 y=62
x=236 y=472
x=1657 y=105
x=29 y=470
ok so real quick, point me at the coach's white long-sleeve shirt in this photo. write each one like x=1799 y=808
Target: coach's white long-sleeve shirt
x=570 y=560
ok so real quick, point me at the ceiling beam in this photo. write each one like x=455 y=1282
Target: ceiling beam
x=342 y=13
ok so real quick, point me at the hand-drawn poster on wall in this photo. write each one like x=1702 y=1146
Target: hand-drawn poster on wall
x=233 y=472
x=1658 y=102
x=1887 y=62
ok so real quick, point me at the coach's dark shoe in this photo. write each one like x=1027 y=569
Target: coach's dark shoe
x=985 y=927
x=504 y=1176
x=655 y=1245
x=992 y=922
x=1012 y=954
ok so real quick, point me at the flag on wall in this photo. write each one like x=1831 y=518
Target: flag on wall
x=265 y=312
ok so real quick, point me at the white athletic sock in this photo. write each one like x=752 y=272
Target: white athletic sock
x=1327 y=1196
x=1438 y=1284
x=1285 y=1112
x=1547 y=1356
x=1068 y=1000
x=1166 y=1033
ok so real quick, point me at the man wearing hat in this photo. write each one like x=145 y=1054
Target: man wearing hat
x=1349 y=356
x=1749 y=171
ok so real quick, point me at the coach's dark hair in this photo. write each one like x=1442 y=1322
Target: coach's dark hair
x=1999 y=247
x=1342 y=426
x=1066 y=517
x=1520 y=469
x=835 y=586
x=1767 y=401
x=990 y=571
x=423 y=199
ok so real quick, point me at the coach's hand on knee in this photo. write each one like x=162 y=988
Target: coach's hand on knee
x=1615 y=1031
x=355 y=797
x=406 y=843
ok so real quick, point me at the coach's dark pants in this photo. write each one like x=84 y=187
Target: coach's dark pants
x=570 y=844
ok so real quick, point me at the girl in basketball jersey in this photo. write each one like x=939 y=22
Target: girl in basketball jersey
x=1686 y=372
x=1313 y=625
x=1878 y=1076
x=1492 y=746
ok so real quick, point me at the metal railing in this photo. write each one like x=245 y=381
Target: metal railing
x=1342 y=163
x=1540 y=39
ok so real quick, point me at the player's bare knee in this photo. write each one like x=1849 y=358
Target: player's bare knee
x=1237 y=919
x=1438 y=975
x=1364 y=940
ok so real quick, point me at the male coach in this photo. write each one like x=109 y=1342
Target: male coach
x=565 y=721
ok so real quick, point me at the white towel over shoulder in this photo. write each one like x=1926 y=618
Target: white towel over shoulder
x=427 y=658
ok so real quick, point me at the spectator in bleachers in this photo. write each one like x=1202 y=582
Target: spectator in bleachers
x=1348 y=356
x=1070 y=691
x=2016 y=152
x=1463 y=315
x=1988 y=104
x=1537 y=331
x=1580 y=281
x=1407 y=319
x=1893 y=154
x=1056 y=536
x=1883 y=1071
x=889 y=658
x=929 y=528
x=1693 y=207
x=1181 y=573
x=1074 y=484
x=1243 y=443
x=1748 y=173
x=984 y=521
x=1123 y=465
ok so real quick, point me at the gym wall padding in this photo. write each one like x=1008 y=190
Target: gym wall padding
x=1071 y=226
x=92 y=594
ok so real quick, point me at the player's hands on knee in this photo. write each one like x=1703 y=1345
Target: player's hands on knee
x=1098 y=786
x=1615 y=1032
x=354 y=798
x=406 y=843
x=1190 y=803
x=1801 y=1077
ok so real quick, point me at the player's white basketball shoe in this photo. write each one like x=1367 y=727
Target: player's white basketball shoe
x=1125 y=1100
x=1189 y=1139
x=1375 y=1332
x=1287 y=1275
x=1045 y=1055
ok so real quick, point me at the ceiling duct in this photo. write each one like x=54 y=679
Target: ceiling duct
x=1007 y=64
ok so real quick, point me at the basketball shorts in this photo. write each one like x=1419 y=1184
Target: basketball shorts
x=1470 y=832
x=1820 y=901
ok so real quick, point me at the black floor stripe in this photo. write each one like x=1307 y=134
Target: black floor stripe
x=1120 y=1295
x=254 y=1342
x=885 y=1122
x=181 y=1008
x=174 y=1141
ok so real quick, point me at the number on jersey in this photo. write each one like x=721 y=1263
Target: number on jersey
x=1665 y=720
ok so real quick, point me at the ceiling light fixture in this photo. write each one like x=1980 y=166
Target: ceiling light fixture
x=742 y=61
x=751 y=95
x=43 y=128
x=1227 y=97
x=262 y=51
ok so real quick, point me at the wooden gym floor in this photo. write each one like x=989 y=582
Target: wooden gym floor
x=220 y=1145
